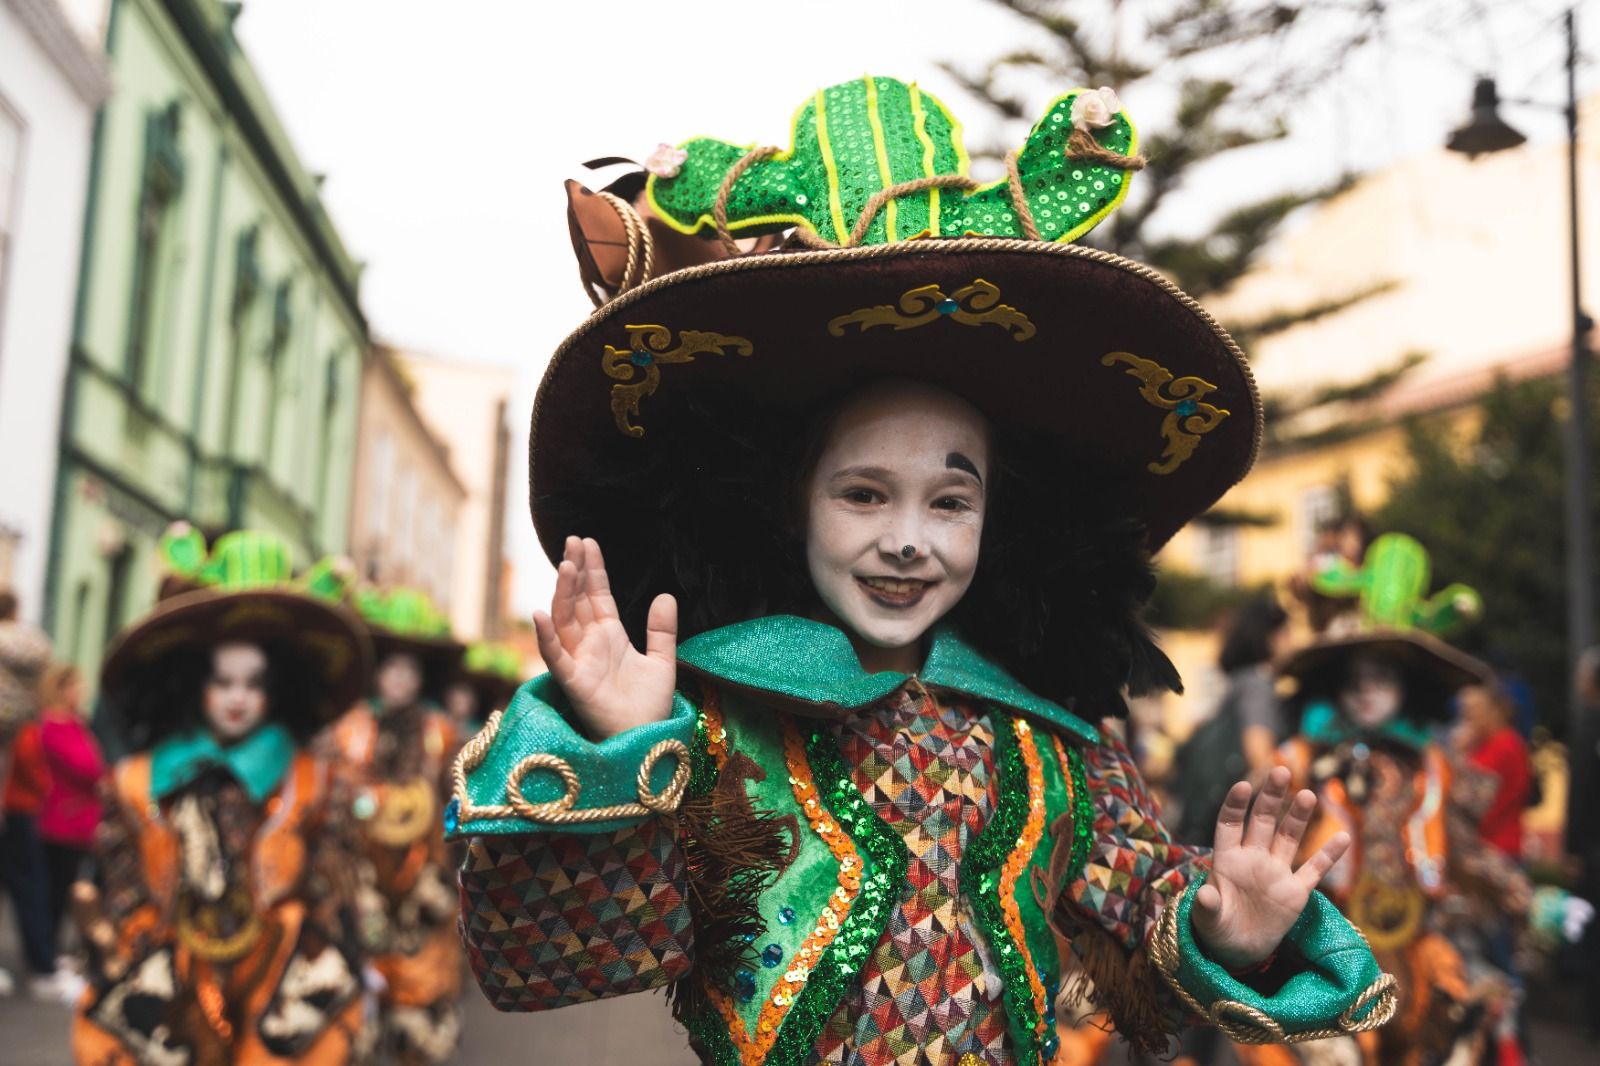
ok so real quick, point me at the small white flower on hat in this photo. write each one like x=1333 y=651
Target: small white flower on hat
x=666 y=161
x=1095 y=107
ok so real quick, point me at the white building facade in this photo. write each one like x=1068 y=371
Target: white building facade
x=52 y=81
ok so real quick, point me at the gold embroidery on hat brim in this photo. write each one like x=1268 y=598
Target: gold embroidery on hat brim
x=1187 y=415
x=649 y=346
x=976 y=304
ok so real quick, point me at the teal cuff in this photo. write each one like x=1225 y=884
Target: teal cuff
x=530 y=771
x=1341 y=990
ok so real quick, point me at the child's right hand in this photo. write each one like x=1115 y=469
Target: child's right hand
x=611 y=685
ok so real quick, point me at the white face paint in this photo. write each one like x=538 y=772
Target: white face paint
x=236 y=691
x=398 y=680
x=904 y=466
x=1372 y=693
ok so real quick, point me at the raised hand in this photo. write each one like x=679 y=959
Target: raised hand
x=612 y=686
x=1254 y=893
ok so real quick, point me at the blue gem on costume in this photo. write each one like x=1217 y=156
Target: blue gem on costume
x=744 y=984
x=365 y=805
x=452 y=815
x=771 y=955
x=947 y=307
x=1051 y=1045
x=1186 y=408
x=749 y=938
x=640 y=357
x=785 y=915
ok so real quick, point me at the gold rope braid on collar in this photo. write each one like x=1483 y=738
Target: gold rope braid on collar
x=561 y=811
x=1245 y=1024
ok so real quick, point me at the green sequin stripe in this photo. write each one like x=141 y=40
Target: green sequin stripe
x=1082 y=814
x=707 y=1028
x=709 y=1035
x=980 y=882
x=703 y=771
x=884 y=873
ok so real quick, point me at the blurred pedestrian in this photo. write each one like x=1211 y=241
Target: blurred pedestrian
x=24 y=653
x=1241 y=738
x=71 y=809
x=23 y=871
x=1488 y=741
x=223 y=930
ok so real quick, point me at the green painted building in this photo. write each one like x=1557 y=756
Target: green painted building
x=218 y=339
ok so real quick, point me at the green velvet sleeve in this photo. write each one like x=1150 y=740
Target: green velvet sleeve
x=530 y=770
x=1339 y=990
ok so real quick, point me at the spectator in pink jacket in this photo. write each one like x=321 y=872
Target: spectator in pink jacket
x=71 y=803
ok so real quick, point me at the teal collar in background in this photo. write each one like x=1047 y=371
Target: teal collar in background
x=258 y=762
x=813 y=663
x=1323 y=724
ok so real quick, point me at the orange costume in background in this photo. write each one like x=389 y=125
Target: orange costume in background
x=395 y=764
x=227 y=928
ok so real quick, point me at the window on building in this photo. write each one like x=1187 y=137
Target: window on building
x=10 y=179
x=162 y=183
x=1319 y=505
x=323 y=457
x=1219 y=554
x=117 y=570
x=381 y=478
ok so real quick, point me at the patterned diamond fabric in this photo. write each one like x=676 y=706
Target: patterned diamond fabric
x=1134 y=866
x=925 y=996
x=553 y=919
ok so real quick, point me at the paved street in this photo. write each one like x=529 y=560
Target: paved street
x=634 y=1030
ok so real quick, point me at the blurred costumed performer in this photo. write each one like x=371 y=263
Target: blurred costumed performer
x=223 y=929
x=393 y=750
x=1372 y=690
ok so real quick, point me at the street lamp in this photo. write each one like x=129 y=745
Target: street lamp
x=1486 y=131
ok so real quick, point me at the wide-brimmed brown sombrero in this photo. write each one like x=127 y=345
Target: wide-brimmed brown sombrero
x=1414 y=651
x=970 y=287
x=245 y=592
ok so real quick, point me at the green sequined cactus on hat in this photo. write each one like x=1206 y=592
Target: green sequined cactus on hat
x=856 y=139
x=1391 y=586
x=499 y=660
x=249 y=559
x=404 y=612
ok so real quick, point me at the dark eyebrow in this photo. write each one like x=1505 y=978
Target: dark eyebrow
x=957 y=461
x=875 y=472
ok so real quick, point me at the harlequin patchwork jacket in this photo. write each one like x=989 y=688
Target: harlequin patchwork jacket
x=825 y=863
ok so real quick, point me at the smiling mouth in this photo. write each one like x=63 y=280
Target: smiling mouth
x=892 y=592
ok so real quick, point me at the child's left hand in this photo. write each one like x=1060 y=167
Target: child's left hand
x=1254 y=893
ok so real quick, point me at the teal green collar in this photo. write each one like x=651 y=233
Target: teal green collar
x=1322 y=724
x=810 y=662
x=258 y=762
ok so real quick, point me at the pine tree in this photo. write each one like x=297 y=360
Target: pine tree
x=1488 y=503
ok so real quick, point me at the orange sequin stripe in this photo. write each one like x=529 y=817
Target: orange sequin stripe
x=1017 y=862
x=716 y=732
x=753 y=1050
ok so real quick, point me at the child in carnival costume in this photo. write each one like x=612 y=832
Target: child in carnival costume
x=223 y=928
x=393 y=750
x=897 y=483
x=489 y=676
x=1372 y=692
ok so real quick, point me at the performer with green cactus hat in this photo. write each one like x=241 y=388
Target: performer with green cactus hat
x=829 y=741
x=223 y=926
x=393 y=750
x=1373 y=691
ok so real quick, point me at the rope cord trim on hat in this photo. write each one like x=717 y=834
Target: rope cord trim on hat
x=1081 y=146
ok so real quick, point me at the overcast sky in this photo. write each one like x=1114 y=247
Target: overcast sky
x=446 y=137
